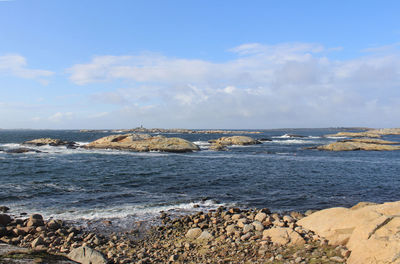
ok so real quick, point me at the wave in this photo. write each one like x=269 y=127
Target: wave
x=46 y=149
x=139 y=212
x=295 y=136
x=202 y=144
x=294 y=141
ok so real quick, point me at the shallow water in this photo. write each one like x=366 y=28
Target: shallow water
x=75 y=184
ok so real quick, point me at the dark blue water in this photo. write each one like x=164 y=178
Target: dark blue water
x=280 y=175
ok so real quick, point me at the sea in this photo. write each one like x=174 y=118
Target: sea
x=89 y=186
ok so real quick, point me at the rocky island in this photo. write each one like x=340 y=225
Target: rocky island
x=360 y=144
x=143 y=142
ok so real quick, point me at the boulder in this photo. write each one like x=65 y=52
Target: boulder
x=143 y=142
x=4 y=219
x=205 y=235
x=260 y=217
x=283 y=236
x=193 y=233
x=86 y=255
x=258 y=226
x=53 y=224
x=369 y=231
x=35 y=220
x=49 y=141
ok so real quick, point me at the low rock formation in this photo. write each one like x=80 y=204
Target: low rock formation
x=360 y=144
x=221 y=143
x=50 y=142
x=143 y=142
x=21 y=150
x=369 y=231
x=172 y=130
x=373 y=133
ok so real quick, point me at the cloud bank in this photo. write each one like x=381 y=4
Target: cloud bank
x=285 y=85
x=261 y=86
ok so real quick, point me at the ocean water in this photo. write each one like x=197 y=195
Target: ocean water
x=82 y=185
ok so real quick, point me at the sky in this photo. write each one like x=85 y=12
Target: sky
x=72 y=64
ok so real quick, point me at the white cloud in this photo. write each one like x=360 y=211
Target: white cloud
x=16 y=65
x=294 y=84
x=59 y=116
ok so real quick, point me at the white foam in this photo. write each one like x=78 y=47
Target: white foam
x=47 y=149
x=141 y=212
x=283 y=136
x=202 y=144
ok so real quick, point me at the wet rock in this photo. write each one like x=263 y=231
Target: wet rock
x=4 y=219
x=4 y=209
x=35 y=220
x=21 y=150
x=53 y=224
x=49 y=141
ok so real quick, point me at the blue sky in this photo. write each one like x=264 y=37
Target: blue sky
x=199 y=64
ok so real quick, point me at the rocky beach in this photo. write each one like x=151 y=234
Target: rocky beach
x=224 y=235
x=365 y=233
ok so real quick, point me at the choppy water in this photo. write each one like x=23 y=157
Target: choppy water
x=77 y=184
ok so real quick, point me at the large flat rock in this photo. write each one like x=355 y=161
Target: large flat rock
x=143 y=143
x=370 y=231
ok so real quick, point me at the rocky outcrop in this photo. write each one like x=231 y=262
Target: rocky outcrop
x=21 y=150
x=369 y=231
x=371 y=141
x=50 y=142
x=143 y=142
x=373 y=133
x=360 y=144
x=221 y=143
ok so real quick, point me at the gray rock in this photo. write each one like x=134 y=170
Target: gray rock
x=247 y=228
x=193 y=233
x=205 y=235
x=258 y=226
x=86 y=255
x=4 y=209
